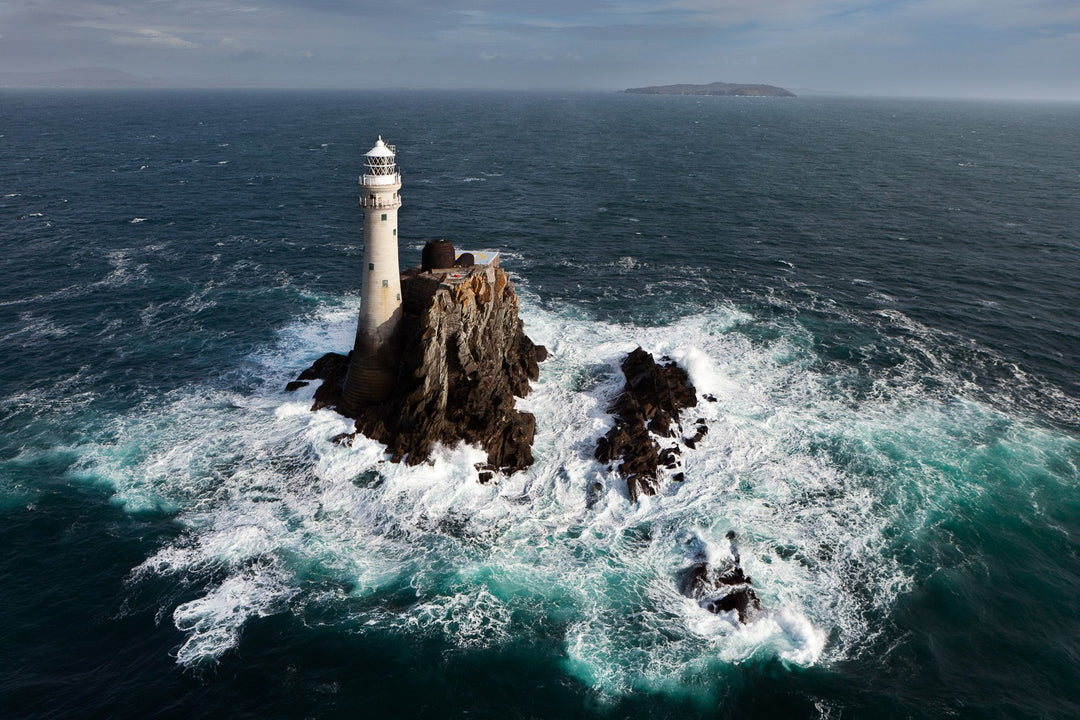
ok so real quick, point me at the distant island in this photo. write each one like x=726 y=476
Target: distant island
x=716 y=88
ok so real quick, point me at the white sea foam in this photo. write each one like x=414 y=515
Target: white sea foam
x=213 y=621
x=275 y=516
x=34 y=330
x=123 y=270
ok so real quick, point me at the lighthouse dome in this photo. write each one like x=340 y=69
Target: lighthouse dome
x=381 y=150
x=381 y=166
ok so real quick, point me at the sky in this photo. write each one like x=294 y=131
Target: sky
x=1021 y=49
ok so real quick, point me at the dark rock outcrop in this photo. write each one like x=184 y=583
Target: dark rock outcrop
x=465 y=357
x=331 y=369
x=647 y=408
x=721 y=590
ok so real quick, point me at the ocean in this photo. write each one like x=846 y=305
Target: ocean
x=883 y=295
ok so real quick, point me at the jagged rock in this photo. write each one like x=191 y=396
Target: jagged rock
x=648 y=405
x=331 y=369
x=329 y=365
x=670 y=457
x=464 y=358
x=593 y=493
x=640 y=484
x=701 y=431
x=721 y=590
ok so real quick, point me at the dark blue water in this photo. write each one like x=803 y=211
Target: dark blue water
x=883 y=295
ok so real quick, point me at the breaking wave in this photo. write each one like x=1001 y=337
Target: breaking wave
x=827 y=483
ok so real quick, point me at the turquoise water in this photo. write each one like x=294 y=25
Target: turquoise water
x=882 y=295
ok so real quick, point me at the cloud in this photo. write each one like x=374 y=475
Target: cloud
x=149 y=37
x=1011 y=14
x=827 y=44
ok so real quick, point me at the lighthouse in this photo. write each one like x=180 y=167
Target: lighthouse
x=373 y=364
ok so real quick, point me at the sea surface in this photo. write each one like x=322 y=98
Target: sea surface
x=882 y=295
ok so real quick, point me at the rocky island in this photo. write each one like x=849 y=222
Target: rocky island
x=716 y=88
x=440 y=352
x=441 y=355
x=463 y=358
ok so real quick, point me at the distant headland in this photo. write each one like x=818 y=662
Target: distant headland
x=716 y=88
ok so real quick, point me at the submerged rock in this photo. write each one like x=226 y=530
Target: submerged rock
x=464 y=359
x=647 y=408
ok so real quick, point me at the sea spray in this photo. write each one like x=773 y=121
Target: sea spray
x=275 y=515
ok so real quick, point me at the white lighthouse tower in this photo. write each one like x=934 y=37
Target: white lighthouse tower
x=373 y=365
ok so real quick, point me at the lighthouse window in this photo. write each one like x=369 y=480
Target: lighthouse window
x=384 y=216
x=395 y=232
x=371 y=266
x=386 y=283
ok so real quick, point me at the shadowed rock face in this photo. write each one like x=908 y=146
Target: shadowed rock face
x=647 y=407
x=465 y=357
